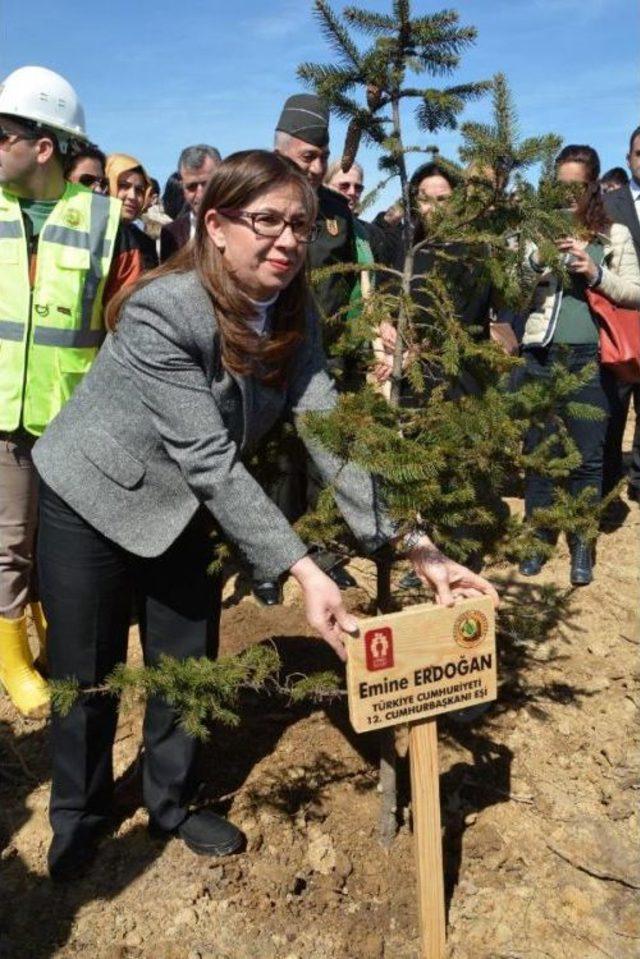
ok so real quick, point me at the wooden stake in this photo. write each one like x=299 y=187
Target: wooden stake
x=387 y=782
x=425 y=801
x=388 y=787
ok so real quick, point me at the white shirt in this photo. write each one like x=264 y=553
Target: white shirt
x=258 y=323
x=634 y=186
x=192 y=224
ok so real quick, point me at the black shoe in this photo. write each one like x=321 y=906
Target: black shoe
x=204 y=833
x=633 y=493
x=410 y=580
x=581 y=563
x=267 y=593
x=532 y=565
x=341 y=577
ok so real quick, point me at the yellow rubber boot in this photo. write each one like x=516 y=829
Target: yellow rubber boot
x=24 y=684
x=40 y=623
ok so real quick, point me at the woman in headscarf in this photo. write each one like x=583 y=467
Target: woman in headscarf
x=130 y=183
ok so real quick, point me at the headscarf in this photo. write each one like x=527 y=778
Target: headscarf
x=119 y=163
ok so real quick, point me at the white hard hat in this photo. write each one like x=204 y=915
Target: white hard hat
x=44 y=97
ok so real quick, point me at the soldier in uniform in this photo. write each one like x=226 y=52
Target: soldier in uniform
x=302 y=135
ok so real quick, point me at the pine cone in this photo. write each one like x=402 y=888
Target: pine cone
x=374 y=96
x=351 y=144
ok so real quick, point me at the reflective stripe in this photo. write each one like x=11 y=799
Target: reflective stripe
x=54 y=336
x=11 y=230
x=98 y=224
x=67 y=237
x=11 y=330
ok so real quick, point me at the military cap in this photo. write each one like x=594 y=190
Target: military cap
x=306 y=117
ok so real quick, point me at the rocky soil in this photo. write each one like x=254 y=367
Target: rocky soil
x=539 y=801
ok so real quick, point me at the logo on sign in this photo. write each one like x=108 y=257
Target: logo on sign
x=378 y=644
x=470 y=629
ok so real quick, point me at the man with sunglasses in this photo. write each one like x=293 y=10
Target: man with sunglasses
x=195 y=166
x=350 y=182
x=58 y=256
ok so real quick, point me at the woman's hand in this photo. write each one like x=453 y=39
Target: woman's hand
x=384 y=368
x=580 y=262
x=450 y=580
x=323 y=605
x=386 y=342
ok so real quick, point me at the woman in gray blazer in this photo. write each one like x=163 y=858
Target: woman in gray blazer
x=204 y=355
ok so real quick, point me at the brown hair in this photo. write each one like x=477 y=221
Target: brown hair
x=235 y=182
x=590 y=210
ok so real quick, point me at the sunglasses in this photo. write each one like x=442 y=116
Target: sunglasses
x=88 y=179
x=344 y=185
x=7 y=136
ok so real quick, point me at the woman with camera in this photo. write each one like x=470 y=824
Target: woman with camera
x=206 y=353
x=562 y=329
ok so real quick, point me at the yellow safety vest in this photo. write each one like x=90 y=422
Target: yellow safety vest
x=50 y=335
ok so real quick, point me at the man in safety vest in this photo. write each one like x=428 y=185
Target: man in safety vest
x=58 y=264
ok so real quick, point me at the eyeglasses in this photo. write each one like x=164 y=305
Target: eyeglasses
x=88 y=179
x=7 y=137
x=273 y=224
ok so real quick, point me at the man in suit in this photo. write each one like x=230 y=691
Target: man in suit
x=623 y=206
x=195 y=165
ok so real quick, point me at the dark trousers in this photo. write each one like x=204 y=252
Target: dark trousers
x=587 y=434
x=89 y=586
x=613 y=464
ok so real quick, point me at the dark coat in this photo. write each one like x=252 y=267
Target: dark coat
x=620 y=206
x=174 y=236
x=139 y=240
x=334 y=244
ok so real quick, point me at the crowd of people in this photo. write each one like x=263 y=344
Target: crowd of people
x=146 y=346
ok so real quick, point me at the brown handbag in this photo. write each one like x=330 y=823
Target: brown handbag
x=619 y=337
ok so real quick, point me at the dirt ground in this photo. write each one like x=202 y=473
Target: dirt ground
x=539 y=804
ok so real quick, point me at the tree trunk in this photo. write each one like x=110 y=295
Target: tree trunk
x=387 y=783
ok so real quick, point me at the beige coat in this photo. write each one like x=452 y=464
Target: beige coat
x=620 y=284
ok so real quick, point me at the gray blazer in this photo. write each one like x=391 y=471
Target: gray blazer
x=158 y=427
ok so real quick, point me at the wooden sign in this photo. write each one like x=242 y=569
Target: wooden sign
x=409 y=667
x=421 y=662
